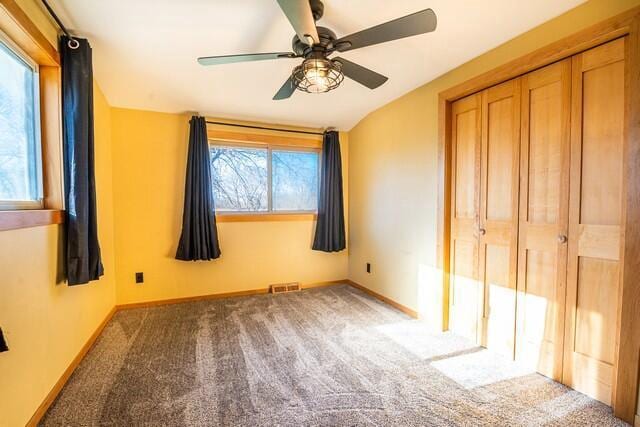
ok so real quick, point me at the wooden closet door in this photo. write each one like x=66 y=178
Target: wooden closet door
x=465 y=185
x=498 y=224
x=544 y=205
x=595 y=214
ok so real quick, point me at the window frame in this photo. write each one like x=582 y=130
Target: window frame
x=38 y=203
x=21 y=31
x=270 y=143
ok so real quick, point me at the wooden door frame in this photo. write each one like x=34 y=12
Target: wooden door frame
x=625 y=381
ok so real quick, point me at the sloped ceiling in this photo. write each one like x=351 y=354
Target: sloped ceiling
x=145 y=52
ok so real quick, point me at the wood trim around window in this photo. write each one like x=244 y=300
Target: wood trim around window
x=15 y=23
x=625 y=387
x=264 y=139
x=266 y=217
x=24 y=33
x=11 y=220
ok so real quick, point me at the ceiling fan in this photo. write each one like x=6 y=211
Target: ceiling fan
x=318 y=73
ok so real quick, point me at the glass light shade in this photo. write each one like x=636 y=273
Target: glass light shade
x=317 y=75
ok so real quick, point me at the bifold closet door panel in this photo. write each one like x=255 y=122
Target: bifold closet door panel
x=465 y=185
x=544 y=211
x=595 y=217
x=498 y=223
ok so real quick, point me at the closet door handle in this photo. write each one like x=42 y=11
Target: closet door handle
x=482 y=231
x=562 y=238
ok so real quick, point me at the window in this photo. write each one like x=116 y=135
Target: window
x=20 y=165
x=240 y=179
x=294 y=180
x=262 y=179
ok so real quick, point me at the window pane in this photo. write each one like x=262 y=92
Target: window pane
x=295 y=180
x=239 y=178
x=18 y=147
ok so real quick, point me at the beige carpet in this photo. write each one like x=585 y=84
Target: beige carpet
x=322 y=357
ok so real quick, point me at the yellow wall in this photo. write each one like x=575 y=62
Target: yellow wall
x=393 y=172
x=149 y=160
x=45 y=321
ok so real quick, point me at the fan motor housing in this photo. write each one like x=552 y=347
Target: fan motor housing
x=327 y=37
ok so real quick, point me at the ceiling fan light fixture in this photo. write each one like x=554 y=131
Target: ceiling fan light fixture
x=318 y=75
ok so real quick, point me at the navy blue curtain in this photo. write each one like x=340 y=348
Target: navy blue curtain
x=3 y=343
x=83 y=261
x=330 y=234
x=199 y=238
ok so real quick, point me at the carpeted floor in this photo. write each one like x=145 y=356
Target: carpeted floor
x=323 y=357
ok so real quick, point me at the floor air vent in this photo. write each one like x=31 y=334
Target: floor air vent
x=284 y=287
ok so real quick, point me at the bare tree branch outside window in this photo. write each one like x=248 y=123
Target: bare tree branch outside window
x=295 y=180
x=17 y=138
x=240 y=179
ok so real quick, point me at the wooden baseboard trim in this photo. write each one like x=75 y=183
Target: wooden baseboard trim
x=44 y=406
x=222 y=295
x=181 y=300
x=324 y=284
x=406 y=310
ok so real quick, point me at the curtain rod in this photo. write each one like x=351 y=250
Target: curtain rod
x=265 y=128
x=73 y=43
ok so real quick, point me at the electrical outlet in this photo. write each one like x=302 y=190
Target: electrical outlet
x=139 y=277
x=368 y=267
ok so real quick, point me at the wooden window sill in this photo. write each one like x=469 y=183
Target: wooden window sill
x=266 y=217
x=11 y=220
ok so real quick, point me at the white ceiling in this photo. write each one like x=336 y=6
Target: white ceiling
x=145 y=52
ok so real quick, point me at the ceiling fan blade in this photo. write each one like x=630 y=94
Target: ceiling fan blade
x=286 y=90
x=362 y=75
x=421 y=22
x=301 y=18
x=230 y=59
